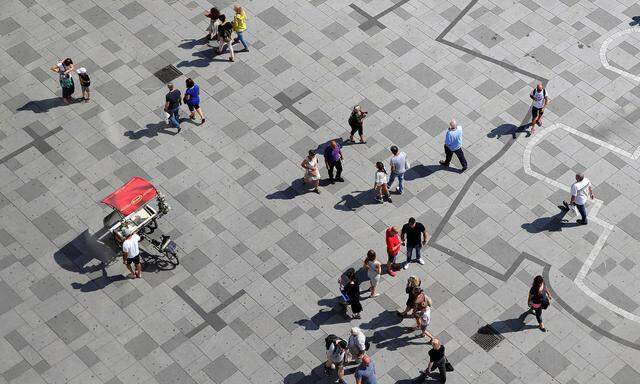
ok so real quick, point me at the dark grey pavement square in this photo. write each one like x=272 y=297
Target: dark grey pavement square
x=220 y=369
x=51 y=224
x=296 y=246
x=67 y=326
x=194 y=200
x=548 y=358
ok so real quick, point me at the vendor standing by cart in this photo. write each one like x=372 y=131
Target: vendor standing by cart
x=131 y=252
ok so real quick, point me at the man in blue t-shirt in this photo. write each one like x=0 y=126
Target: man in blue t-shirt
x=453 y=144
x=366 y=372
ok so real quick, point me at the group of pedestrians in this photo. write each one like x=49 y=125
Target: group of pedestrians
x=174 y=99
x=221 y=29
x=65 y=68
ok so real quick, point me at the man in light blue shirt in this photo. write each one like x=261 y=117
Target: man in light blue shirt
x=453 y=144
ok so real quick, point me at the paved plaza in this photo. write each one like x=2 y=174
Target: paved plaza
x=255 y=293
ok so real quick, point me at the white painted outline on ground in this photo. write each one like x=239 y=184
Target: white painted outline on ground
x=605 y=47
x=607 y=227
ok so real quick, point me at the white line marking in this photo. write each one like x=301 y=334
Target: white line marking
x=607 y=227
x=605 y=47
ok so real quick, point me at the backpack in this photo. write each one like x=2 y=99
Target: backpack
x=226 y=34
x=330 y=339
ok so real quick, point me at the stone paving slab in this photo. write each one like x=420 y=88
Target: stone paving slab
x=255 y=292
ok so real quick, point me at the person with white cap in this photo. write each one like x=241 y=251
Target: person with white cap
x=131 y=252
x=85 y=82
x=356 y=344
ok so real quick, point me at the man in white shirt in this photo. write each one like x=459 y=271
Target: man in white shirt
x=131 y=252
x=357 y=344
x=540 y=101
x=581 y=190
x=398 y=168
x=335 y=359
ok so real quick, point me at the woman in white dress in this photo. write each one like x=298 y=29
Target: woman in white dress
x=380 y=185
x=311 y=172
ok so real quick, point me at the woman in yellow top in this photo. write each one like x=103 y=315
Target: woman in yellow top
x=240 y=25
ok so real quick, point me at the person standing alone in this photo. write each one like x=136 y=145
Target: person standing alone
x=172 y=106
x=131 y=252
x=333 y=160
x=453 y=144
x=398 y=164
x=410 y=235
x=581 y=190
x=540 y=101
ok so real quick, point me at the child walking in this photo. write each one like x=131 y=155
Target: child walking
x=85 y=83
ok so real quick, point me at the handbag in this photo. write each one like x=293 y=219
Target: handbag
x=447 y=366
x=545 y=301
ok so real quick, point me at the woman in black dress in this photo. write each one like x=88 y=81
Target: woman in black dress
x=352 y=289
x=437 y=360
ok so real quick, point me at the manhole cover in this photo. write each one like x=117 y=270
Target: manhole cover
x=487 y=337
x=168 y=74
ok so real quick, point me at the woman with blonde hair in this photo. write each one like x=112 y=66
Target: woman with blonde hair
x=412 y=282
x=240 y=25
x=374 y=270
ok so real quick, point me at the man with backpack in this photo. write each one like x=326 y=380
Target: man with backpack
x=540 y=101
x=336 y=353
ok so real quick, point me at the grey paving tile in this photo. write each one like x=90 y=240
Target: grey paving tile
x=472 y=215
x=242 y=73
x=16 y=340
x=262 y=217
x=16 y=371
x=174 y=374
x=290 y=316
x=631 y=225
x=23 y=53
x=193 y=200
x=334 y=31
x=195 y=261
x=220 y=369
x=32 y=190
x=171 y=167
x=619 y=298
x=46 y=287
x=424 y=75
x=132 y=10
x=113 y=91
x=51 y=224
x=274 y=18
x=240 y=328
x=96 y=16
x=604 y=19
x=151 y=36
x=269 y=155
x=336 y=238
x=398 y=134
x=365 y=53
x=548 y=358
x=626 y=375
x=486 y=36
x=87 y=356
x=275 y=272
x=67 y=326
x=8 y=25
x=501 y=251
x=140 y=346
x=296 y=246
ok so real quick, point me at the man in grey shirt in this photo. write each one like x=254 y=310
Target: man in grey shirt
x=398 y=168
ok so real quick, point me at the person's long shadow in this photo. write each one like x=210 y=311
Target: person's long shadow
x=507 y=326
x=43 y=106
x=192 y=43
x=152 y=130
x=553 y=223
x=336 y=313
x=296 y=188
x=355 y=200
x=99 y=282
x=635 y=21
x=419 y=171
x=508 y=130
x=204 y=58
x=316 y=376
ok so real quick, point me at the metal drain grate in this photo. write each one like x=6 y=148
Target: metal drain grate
x=487 y=337
x=168 y=74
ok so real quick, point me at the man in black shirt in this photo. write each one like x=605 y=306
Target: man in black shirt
x=411 y=233
x=172 y=106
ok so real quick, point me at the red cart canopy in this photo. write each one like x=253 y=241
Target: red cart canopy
x=131 y=196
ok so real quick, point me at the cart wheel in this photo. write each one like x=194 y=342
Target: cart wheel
x=172 y=258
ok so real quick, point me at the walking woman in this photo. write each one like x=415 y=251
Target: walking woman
x=212 y=29
x=224 y=36
x=63 y=69
x=192 y=99
x=538 y=300
x=423 y=314
x=240 y=25
x=352 y=289
x=355 y=122
x=412 y=283
x=311 y=173
x=374 y=270
x=380 y=184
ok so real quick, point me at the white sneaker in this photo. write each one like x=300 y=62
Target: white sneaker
x=406 y=266
x=421 y=261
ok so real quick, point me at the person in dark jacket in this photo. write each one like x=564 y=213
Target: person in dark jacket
x=352 y=289
x=437 y=359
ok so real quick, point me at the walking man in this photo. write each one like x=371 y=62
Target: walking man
x=580 y=191
x=393 y=248
x=333 y=160
x=357 y=345
x=398 y=168
x=453 y=144
x=172 y=106
x=131 y=252
x=366 y=372
x=411 y=233
x=540 y=101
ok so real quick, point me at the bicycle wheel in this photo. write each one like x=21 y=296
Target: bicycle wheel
x=172 y=257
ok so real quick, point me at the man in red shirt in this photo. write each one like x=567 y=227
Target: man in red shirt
x=393 y=248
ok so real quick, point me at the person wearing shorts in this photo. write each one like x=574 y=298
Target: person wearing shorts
x=192 y=99
x=355 y=122
x=540 y=101
x=131 y=252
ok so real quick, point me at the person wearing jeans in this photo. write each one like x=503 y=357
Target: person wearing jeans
x=240 y=25
x=539 y=298
x=398 y=164
x=172 y=106
x=581 y=190
x=411 y=236
x=453 y=144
